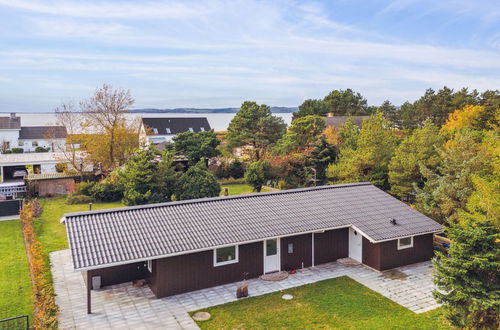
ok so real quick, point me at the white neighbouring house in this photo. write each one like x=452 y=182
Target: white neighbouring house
x=158 y=131
x=13 y=135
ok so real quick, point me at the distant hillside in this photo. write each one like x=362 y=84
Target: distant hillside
x=213 y=110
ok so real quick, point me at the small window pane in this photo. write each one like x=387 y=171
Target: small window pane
x=405 y=241
x=271 y=247
x=168 y=130
x=226 y=254
x=290 y=247
x=191 y=129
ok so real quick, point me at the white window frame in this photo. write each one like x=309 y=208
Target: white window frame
x=34 y=144
x=149 y=265
x=191 y=129
x=155 y=130
x=202 y=129
x=400 y=247
x=168 y=130
x=235 y=260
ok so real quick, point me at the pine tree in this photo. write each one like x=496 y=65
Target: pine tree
x=467 y=279
x=197 y=182
x=417 y=149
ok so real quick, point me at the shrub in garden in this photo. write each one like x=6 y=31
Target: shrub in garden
x=17 y=150
x=106 y=192
x=41 y=149
x=236 y=169
x=79 y=199
x=61 y=167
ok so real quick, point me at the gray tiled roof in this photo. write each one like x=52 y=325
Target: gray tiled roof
x=112 y=236
x=176 y=124
x=42 y=132
x=12 y=122
x=338 y=121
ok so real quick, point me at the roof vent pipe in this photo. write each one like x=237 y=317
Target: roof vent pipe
x=393 y=221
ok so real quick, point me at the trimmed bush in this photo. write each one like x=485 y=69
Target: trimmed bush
x=41 y=149
x=45 y=314
x=79 y=199
x=17 y=150
x=236 y=169
x=106 y=192
x=85 y=188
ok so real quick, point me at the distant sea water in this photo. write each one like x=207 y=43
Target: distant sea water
x=218 y=121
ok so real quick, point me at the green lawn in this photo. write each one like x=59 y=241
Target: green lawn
x=237 y=189
x=339 y=303
x=15 y=283
x=50 y=230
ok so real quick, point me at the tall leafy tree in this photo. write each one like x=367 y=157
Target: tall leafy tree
x=197 y=146
x=370 y=160
x=311 y=107
x=473 y=117
x=257 y=173
x=255 y=126
x=417 y=149
x=197 y=182
x=111 y=135
x=145 y=179
x=302 y=133
x=346 y=102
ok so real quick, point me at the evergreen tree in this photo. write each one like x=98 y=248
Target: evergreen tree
x=448 y=187
x=196 y=146
x=346 y=103
x=197 y=182
x=390 y=112
x=467 y=279
x=311 y=107
x=145 y=179
x=322 y=155
x=370 y=160
x=349 y=134
x=302 y=133
x=418 y=148
x=257 y=173
x=255 y=126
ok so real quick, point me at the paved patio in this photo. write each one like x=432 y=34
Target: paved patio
x=125 y=307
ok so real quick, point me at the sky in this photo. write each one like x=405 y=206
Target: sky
x=208 y=54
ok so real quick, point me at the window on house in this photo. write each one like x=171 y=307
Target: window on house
x=155 y=130
x=20 y=143
x=404 y=243
x=226 y=255
x=202 y=129
x=290 y=247
x=191 y=129
x=168 y=130
x=149 y=264
x=34 y=143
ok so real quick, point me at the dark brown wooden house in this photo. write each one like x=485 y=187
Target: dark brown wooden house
x=184 y=246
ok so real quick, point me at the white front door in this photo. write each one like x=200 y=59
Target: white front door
x=271 y=255
x=355 y=245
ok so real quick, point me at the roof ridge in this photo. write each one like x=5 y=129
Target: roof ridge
x=213 y=199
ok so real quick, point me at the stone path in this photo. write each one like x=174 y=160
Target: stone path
x=125 y=307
